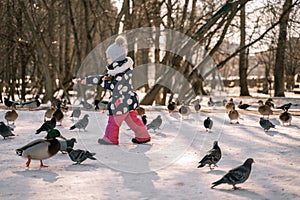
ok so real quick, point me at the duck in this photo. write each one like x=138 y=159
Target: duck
x=233 y=115
x=229 y=105
x=264 y=109
x=58 y=114
x=285 y=117
x=49 y=113
x=11 y=116
x=269 y=102
x=41 y=149
x=141 y=111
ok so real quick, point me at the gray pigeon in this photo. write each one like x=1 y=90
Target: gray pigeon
x=47 y=125
x=266 y=124
x=237 y=175
x=285 y=107
x=5 y=131
x=82 y=123
x=155 y=124
x=76 y=113
x=86 y=105
x=64 y=144
x=184 y=111
x=78 y=155
x=34 y=103
x=212 y=157
x=208 y=123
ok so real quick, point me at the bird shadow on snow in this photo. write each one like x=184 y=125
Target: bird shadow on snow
x=216 y=172
x=45 y=175
x=271 y=133
x=242 y=192
x=81 y=167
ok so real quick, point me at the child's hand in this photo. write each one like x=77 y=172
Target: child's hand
x=83 y=81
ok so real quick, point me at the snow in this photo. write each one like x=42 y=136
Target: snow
x=166 y=168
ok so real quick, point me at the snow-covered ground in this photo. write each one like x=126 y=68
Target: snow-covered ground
x=166 y=168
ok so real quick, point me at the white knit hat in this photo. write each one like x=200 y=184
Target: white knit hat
x=117 y=51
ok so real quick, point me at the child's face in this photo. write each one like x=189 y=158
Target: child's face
x=108 y=59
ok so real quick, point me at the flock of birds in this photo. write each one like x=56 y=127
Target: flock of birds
x=264 y=108
x=241 y=173
x=43 y=148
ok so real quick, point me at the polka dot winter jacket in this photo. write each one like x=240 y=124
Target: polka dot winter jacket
x=118 y=80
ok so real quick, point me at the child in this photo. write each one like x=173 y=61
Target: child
x=123 y=100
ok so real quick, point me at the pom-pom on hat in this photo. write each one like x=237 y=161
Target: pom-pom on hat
x=117 y=51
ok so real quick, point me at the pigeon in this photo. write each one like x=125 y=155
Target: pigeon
x=269 y=102
x=216 y=103
x=100 y=105
x=82 y=123
x=264 y=109
x=208 y=123
x=9 y=103
x=5 y=131
x=233 y=115
x=86 y=105
x=76 y=113
x=171 y=106
x=11 y=116
x=34 y=103
x=197 y=106
x=78 y=155
x=266 y=124
x=64 y=144
x=185 y=111
x=243 y=106
x=285 y=117
x=47 y=125
x=212 y=157
x=144 y=119
x=155 y=124
x=229 y=105
x=58 y=114
x=285 y=107
x=237 y=175
x=64 y=106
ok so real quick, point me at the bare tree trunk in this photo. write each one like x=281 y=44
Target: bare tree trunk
x=243 y=55
x=280 y=54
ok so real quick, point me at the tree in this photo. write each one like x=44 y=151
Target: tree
x=281 y=48
x=243 y=66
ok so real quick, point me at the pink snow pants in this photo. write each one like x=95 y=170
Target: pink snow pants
x=135 y=124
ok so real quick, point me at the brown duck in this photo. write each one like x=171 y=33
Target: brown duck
x=11 y=116
x=229 y=105
x=285 y=117
x=264 y=109
x=58 y=114
x=233 y=115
